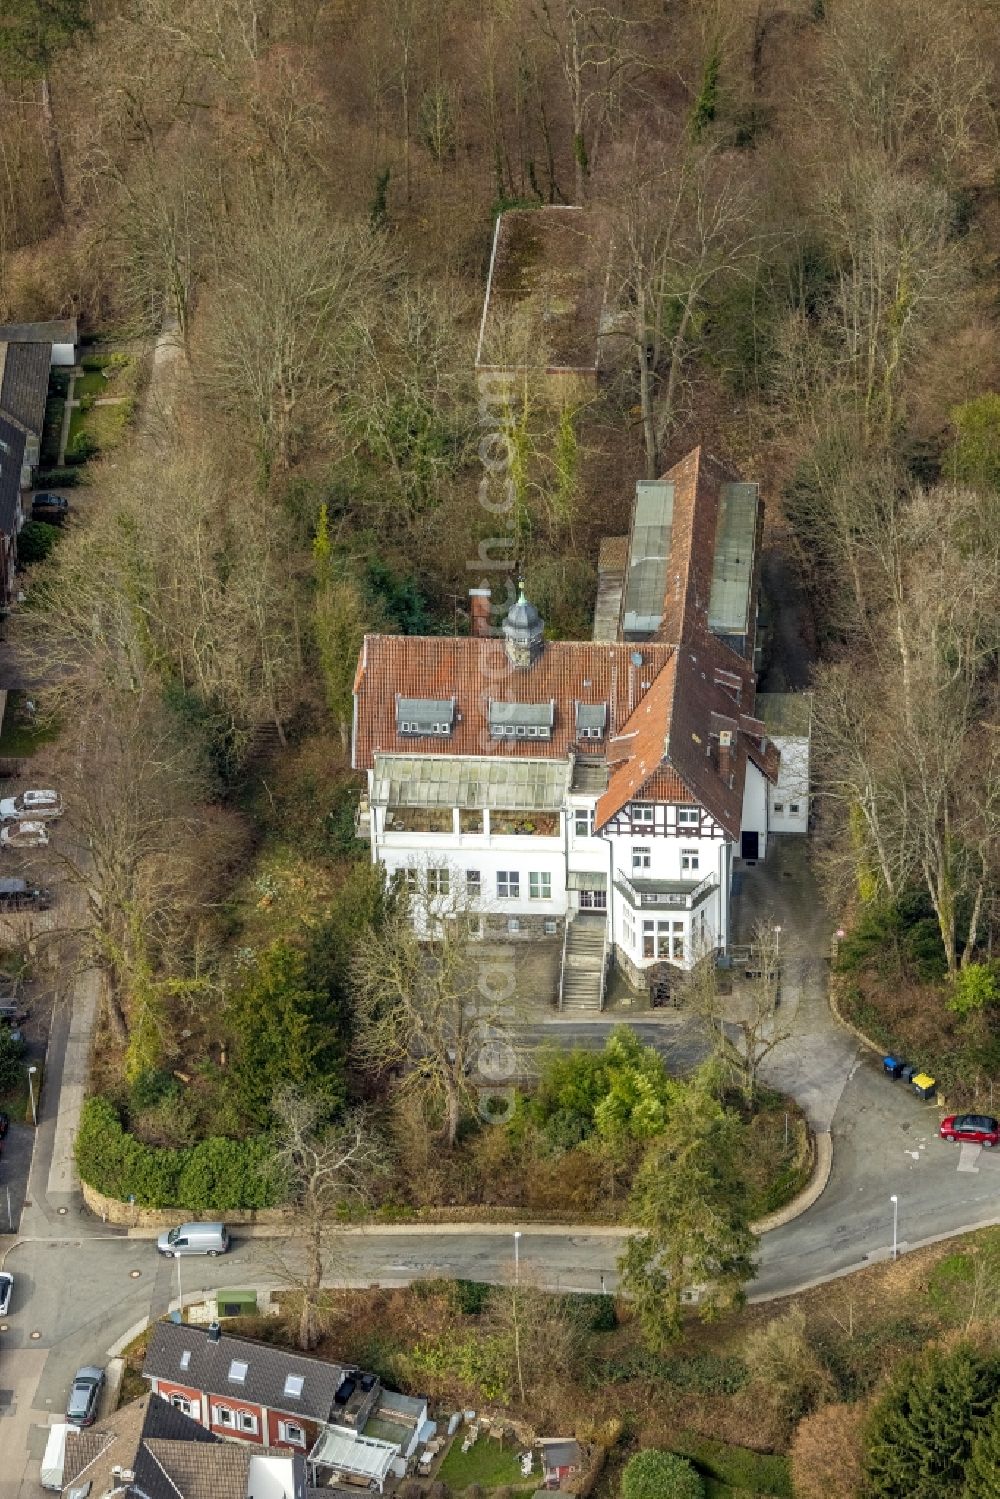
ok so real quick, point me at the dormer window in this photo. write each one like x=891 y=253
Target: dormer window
x=591 y=720
x=522 y=720
x=425 y=717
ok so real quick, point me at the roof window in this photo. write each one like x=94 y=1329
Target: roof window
x=591 y=720
x=293 y=1385
x=238 y=1371
x=418 y=717
x=186 y=1358
x=522 y=720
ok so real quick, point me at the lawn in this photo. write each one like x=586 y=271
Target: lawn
x=92 y=383
x=486 y=1463
x=736 y=1470
x=105 y=424
x=21 y=736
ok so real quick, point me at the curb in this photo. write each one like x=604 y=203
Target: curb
x=118 y=1346
x=810 y=1193
x=871 y=1260
x=831 y=994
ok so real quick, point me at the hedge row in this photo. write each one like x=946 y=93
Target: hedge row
x=216 y=1175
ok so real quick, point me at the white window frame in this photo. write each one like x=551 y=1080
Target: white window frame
x=539 y=885
x=473 y=884
x=642 y=856
x=690 y=860
x=224 y=1415
x=794 y=808
x=438 y=880
x=584 y=815
x=181 y=1403
x=508 y=884
x=643 y=812
x=248 y=1422
x=513 y=925
x=285 y=1429
x=411 y=880
x=779 y=807
x=688 y=817
x=550 y=927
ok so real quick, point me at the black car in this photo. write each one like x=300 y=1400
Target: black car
x=85 y=1396
x=52 y=508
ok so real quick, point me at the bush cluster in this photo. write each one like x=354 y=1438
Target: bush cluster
x=218 y=1175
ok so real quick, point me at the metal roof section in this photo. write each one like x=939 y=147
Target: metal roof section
x=590 y=777
x=363 y=1457
x=731 y=600
x=474 y=783
x=786 y=715
x=649 y=557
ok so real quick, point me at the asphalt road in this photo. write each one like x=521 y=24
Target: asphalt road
x=79 y=1287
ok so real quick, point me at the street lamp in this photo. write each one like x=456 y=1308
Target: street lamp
x=517 y=1256
x=31 y=1094
x=895 y=1220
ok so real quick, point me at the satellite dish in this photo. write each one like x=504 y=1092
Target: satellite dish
x=637 y=658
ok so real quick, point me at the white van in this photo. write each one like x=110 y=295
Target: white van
x=194 y=1238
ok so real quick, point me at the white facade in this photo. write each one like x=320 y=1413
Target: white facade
x=754 y=824
x=661 y=871
x=788 y=809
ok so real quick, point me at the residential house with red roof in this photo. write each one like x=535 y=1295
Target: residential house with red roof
x=609 y=784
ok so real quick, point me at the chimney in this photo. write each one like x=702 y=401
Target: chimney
x=726 y=755
x=214 y=1332
x=480 y=626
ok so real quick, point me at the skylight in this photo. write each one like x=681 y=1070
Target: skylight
x=238 y=1371
x=293 y=1385
x=185 y=1358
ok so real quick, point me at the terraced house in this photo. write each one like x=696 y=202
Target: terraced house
x=602 y=791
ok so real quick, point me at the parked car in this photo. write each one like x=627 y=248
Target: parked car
x=980 y=1129
x=194 y=1238
x=85 y=1396
x=24 y=835
x=39 y=805
x=6 y=1292
x=52 y=508
x=19 y=895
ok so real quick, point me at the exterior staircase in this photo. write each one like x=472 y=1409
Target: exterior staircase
x=582 y=987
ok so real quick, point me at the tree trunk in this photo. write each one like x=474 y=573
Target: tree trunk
x=114 y=1011
x=52 y=144
x=312 y=1285
x=453 y=1113
x=646 y=391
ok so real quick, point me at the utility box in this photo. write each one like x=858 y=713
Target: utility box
x=236 y=1303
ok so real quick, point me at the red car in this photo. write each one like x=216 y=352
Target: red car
x=980 y=1129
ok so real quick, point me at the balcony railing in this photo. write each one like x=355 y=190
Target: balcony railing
x=643 y=894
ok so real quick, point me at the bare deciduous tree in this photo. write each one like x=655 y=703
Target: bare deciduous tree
x=432 y=1002
x=685 y=225
x=324 y=1166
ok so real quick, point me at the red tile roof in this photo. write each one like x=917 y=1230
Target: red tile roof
x=665 y=714
x=476 y=672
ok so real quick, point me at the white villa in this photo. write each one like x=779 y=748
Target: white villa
x=599 y=791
